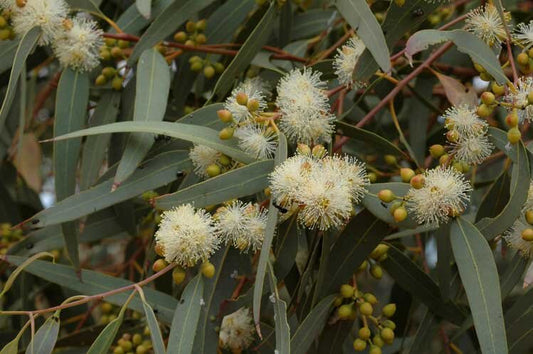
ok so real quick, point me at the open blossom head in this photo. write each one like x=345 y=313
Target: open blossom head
x=346 y=59
x=256 y=140
x=242 y=225
x=304 y=107
x=48 y=14
x=287 y=178
x=485 y=23
x=524 y=85
x=528 y=205
x=524 y=34
x=514 y=239
x=187 y=236
x=464 y=120
x=352 y=170
x=78 y=47
x=237 y=330
x=472 y=149
x=254 y=89
x=202 y=157
x=445 y=193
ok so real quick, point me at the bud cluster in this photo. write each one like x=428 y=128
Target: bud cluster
x=138 y=343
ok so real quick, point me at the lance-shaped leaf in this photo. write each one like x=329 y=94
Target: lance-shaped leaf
x=466 y=43
x=154 y=173
x=8 y=50
x=282 y=330
x=167 y=22
x=189 y=132
x=25 y=46
x=96 y=283
x=44 y=340
x=238 y=183
x=144 y=7
x=479 y=276
x=151 y=96
x=131 y=21
x=186 y=316
x=360 y=17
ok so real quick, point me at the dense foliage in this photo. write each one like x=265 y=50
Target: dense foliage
x=288 y=176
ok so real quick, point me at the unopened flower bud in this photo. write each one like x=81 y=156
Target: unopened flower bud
x=436 y=151
x=386 y=195
x=389 y=310
x=514 y=135
x=208 y=269
x=418 y=181
x=225 y=115
x=242 y=98
x=406 y=174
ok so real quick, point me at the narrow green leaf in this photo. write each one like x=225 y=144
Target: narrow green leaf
x=186 y=316
x=106 y=338
x=131 y=21
x=411 y=278
x=520 y=180
x=311 y=22
x=151 y=96
x=225 y=20
x=11 y=347
x=362 y=234
x=166 y=23
x=360 y=17
x=9 y=282
x=514 y=273
x=144 y=7
x=237 y=183
x=155 y=333
x=496 y=198
x=154 y=173
x=479 y=276
x=85 y=5
x=96 y=283
x=95 y=147
x=249 y=49
x=466 y=43
x=205 y=116
x=282 y=330
x=189 y=132
x=426 y=330
x=8 y=50
x=311 y=326
x=45 y=339
x=444 y=254
x=25 y=46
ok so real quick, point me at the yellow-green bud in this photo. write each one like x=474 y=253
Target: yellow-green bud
x=488 y=98
x=3 y=22
x=479 y=68
x=529 y=217
x=224 y=160
x=400 y=214
x=109 y=72
x=118 y=350
x=208 y=269
x=345 y=311
x=141 y=349
x=100 y=80
x=201 y=39
x=372 y=177
x=389 y=310
x=253 y=105
x=379 y=251
x=511 y=120
x=370 y=298
x=497 y=89
x=137 y=339
x=458 y=166
x=117 y=52
x=388 y=335
x=514 y=135
x=378 y=341
x=190 y=26
x=226 y=133
x=522 y=59
x=527 y=235
x=213 y=170
x=399 y=3
x=406 y=174
x=358 y=344
x=242 y=98
x=452 y=136
x=159 y=265
x=483 y=110
x=386 y=195
x=418 y=181
x=123 y=44
x=319 y=151
x=374 y=349
x=363 y=266
x=197 y=66
x=485 y=76
x=178 y=275
x=195 y=58
x=389 y=324
x=303 y=149
x=105 y=54
x=116 y=83
x=4 y=33
x=347 y=291
x=110 y=42
x=338 y=301
x=366 y=309
x=436 y=151
x=225 y=115
x=390 y=160
x=180 y=37
x=219 y=67
x=530 y=97
x=444 y=159
x=126 y=345
x=201 y=25
x=209 y=71
x=364 y=333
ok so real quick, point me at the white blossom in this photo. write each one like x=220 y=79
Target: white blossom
x=237 y=330
x=464 y=120
x=473 y=149
x=202 y=157
x=257 y=140
x=187 y=236
x=519 y=99
x=255 y=89
x=346 y=59
x=79 y=46
x=445 y=193
x=513 y=238
x=485 y=23
x=47 y=14
x=524 y=34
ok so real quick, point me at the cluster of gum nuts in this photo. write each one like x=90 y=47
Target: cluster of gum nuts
x=179 y=274
x=6 y=31
x=397 y=208
x=134 y=344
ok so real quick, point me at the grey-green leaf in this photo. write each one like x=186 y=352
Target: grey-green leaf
x=44 y=340
x=465 y=41
x=283 y=335
x=144 y=7
x=167 y=22
x=155 y=333
x=360 y=17
x=151 y=96
x=25 y=46
x=186 y=316
x=479 y=276
x=189 y=132
x=155 y=173
x=237 y=183
x=106 y=338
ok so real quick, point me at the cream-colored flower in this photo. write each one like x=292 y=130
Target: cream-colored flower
x=47 y=14
x=257 y=140
x=524 y=34
x=519 y=99
x=514 y=239
x=485 y=23
x=472 y=149
x=445 y=193
x=255 y=89
x=346 y=59
x=464 y=120
x=187 y=236
x=202 y=157
x=78 y=47
x=237 y=330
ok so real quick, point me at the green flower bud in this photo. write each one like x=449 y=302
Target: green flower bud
x=406 y=174
x=364 y=333
x=390 y=160
x=366 y=309
x=359 y=345
x=208 y=270
x=347 y=291
x=389 y=310
x=226 y=133
x=178 y=275
x=399 y=215
x=514 y=135
x=388 y=335
x=345 y=311
x=386 y=195
x=213 y=170
x=527 y=235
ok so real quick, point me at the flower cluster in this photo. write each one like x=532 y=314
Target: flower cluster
x=524 y=34
x=519 y=99
x=520 y=235
x=237 y=330
x=304 y=107
x=186 y=236
x=322 y=190
x=485 y=22
x=241 y=225
x=443 y=193
x=208 y=162
x=467 y=134
x=76 y=41
x=346 y=59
